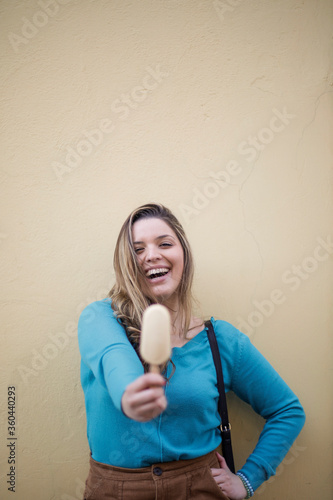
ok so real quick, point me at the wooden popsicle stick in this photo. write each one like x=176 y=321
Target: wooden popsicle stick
x=154 y=369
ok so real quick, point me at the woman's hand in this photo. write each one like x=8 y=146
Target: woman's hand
x=230 y=484
x=144 y=398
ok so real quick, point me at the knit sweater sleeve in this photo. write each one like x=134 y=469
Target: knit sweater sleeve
x=106 y=350
x=257 y=383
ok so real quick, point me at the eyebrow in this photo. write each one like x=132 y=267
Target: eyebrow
x=158 y=238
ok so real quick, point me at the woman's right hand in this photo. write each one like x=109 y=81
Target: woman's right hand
x=144 y=399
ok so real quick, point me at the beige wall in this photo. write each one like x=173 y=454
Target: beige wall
x=222 y=111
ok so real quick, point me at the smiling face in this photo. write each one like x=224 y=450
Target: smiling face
x=160 y=256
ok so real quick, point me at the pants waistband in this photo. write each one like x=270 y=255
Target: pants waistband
x=167 y=469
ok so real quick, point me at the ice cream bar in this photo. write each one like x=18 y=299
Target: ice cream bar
x=155 y=346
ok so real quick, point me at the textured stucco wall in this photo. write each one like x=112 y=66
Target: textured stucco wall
x=222 y=110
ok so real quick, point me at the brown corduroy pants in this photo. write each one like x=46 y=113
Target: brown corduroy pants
x=179 y=480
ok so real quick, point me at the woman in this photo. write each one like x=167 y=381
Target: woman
x=156 y=436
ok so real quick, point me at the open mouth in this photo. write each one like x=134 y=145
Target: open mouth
x=153 y=274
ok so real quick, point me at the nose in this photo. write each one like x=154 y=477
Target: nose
x=152 y=253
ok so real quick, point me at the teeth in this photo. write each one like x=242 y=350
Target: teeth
x=156 y=271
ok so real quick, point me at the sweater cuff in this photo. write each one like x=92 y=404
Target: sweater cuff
x=246 y=483
x=256 y=472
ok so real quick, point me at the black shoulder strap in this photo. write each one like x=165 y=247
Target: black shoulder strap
x=222 y=406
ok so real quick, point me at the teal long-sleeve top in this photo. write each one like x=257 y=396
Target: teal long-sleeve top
x=188 y=428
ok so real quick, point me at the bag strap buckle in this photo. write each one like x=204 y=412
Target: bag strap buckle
x=226 y=428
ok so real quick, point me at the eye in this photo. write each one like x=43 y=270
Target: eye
x=138 y=250
x=166 y=245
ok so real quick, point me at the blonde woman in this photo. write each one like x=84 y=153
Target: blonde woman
x=157 y=436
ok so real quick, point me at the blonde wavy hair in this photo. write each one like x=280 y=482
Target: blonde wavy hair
x=129 y=295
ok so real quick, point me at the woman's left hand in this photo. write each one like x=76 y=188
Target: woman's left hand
x=230 y=484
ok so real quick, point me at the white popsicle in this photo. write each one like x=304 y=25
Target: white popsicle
x=155 y=345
